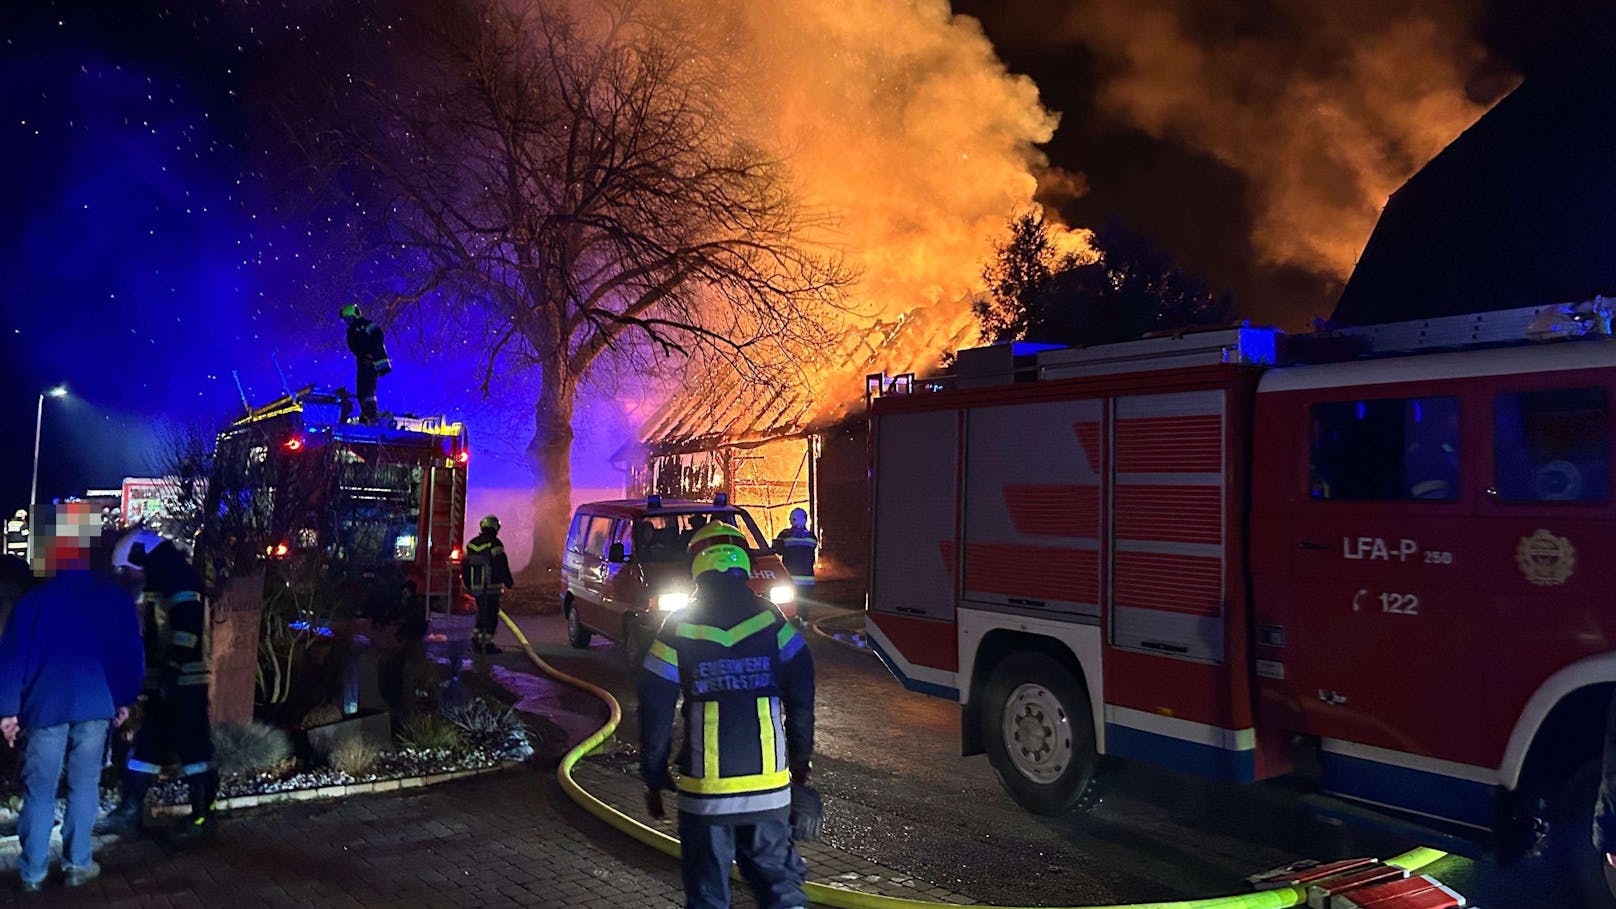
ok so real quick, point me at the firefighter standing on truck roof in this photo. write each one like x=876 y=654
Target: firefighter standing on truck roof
x=485 y=571
x=175 y=701
x=370 y=353
x=747 y=681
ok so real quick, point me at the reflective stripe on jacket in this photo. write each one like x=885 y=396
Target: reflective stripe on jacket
x=797 y=549
x=187 y=658
x=746 y=681
x=484 y=568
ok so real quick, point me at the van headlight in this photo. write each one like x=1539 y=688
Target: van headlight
x=781 y=594
x=672 y=602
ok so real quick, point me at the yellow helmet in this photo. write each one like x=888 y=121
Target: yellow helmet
x=721 y=557
x=350 y=311
x=718 y=547
x=489 y=522
x=715 y=533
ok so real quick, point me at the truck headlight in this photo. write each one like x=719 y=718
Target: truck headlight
x=781 y=594
x=672 y=602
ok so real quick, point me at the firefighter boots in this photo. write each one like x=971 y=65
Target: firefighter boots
x=129 y=816
x=204 y=789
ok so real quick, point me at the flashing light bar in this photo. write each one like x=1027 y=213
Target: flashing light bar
x=278 y=551
x=295 y=443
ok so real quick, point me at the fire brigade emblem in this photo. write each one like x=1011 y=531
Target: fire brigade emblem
x=1545 y=559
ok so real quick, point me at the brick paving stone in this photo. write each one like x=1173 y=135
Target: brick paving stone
x=503 y=839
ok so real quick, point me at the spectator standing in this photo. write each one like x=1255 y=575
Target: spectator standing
x=71 y=663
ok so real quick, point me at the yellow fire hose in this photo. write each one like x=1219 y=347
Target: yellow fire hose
x=825 y=895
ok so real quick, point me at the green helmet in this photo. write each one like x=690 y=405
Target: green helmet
x=490 y=523
x=720 y=558
x=718 y=547
x=350 y=311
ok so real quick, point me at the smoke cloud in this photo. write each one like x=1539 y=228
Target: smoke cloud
x=899 y=123
x=1325 y=107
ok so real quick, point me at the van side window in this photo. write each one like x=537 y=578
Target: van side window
x=575 y=533
x=624 y=533
x=600 y=529
x=1384 y=450
x=1552 y=445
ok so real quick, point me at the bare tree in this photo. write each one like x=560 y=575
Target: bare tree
x=579 y=181
x=184 y=462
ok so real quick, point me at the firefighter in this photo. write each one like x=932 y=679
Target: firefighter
x=175 y=713
x=370 y=353
x=797 y=547
x=746 y=679
x=486 y=571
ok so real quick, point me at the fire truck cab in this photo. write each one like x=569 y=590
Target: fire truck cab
x=1387 y=548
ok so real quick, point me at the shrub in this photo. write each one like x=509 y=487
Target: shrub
x=497 y=731
x=430 y=732
x=251 y=747
x=354 y=758
x=321 y=714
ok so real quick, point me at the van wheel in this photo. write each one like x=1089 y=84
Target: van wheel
x=1570 y=840
x=577 y=635
x=1038 y=732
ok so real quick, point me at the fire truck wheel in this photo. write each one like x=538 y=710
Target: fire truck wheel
x=1038 y=734
x=1570 y=843
x=577 y=635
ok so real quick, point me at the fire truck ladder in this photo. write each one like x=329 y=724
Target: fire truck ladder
x=1590 y=318
x=445 y=514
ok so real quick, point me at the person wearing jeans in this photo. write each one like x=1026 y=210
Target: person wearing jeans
x=84 y=745
x=70 y=664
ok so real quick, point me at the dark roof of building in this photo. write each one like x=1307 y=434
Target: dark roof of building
x=1520 y=210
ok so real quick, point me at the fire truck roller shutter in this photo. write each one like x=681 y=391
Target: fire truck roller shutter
x=1039 y=734
x=916 y=501
x=1032 y=507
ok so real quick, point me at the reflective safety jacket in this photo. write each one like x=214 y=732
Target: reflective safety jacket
x=746 y=678
x=179 y=618
x=796 y=549
x=365 y=340
x=484 y=568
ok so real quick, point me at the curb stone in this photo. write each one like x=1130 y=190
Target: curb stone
x=317 y=794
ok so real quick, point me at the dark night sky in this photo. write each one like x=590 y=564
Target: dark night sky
x=140 y=264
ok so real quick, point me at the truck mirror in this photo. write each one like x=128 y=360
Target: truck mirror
x=615 y=553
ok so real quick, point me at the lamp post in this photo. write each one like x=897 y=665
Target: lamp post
x=33 y=488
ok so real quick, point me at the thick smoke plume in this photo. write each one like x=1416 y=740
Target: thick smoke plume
x=1325 y=107
x=900 y=126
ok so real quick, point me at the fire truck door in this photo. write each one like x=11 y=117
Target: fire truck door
x=1387 y=625
x=1546 y=535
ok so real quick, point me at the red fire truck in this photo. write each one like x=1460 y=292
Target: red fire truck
x=1381 y=552
x=295 y=482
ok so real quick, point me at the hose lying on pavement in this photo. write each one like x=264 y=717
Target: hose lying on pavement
x=825 y=895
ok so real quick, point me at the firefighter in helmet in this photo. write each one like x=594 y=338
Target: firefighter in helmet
x=746 y=679
x=175 y=700
x=798 y=549
x=485 y=572
x=370 y=353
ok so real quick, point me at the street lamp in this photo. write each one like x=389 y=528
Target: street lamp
x=59 y=391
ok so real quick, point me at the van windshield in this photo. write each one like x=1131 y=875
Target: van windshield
x=664 y=537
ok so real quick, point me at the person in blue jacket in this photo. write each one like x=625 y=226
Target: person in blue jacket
x=746 y=679
x=71 y=664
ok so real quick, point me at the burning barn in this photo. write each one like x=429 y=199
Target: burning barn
x=772 y=449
